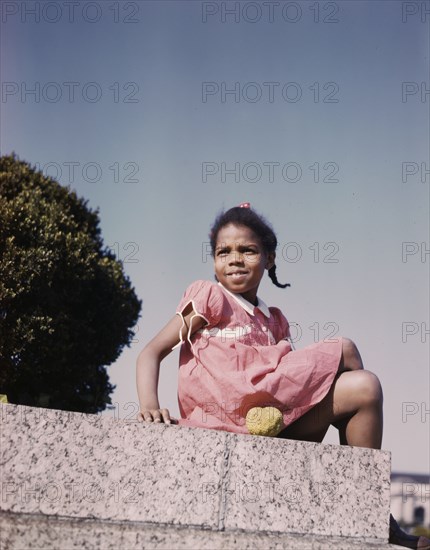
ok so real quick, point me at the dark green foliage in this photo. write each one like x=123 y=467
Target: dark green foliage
x=66 y=307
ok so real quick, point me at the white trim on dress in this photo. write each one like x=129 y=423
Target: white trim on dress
x=181 y=315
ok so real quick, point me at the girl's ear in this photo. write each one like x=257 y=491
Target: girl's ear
x=270 y=260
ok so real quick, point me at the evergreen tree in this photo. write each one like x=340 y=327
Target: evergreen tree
x=66 y=307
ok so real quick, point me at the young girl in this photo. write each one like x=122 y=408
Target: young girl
x=236 y=354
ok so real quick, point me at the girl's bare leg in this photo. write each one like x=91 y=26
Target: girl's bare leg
x=353 y=404
x=355 y=396
x=350 y=360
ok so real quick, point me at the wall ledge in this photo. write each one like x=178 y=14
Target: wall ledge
x=155 y=477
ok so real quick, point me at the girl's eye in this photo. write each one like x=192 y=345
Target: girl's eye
x=247 y=251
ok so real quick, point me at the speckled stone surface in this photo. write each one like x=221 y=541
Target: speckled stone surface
x=19 y=532
x=70 y=465
x=307 y=488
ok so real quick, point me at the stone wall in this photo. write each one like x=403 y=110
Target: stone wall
x=60 y=464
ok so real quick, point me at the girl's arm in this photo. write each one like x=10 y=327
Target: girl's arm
x=148 y=364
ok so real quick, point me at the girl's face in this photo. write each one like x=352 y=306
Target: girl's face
x=240 y=260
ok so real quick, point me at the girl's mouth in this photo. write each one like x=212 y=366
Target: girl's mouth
x=237 y=274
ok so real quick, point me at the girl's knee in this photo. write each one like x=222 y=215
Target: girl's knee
x=351 y=359
x=369 y=387
x=348 y=347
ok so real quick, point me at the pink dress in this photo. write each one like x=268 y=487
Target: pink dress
x=242 y=359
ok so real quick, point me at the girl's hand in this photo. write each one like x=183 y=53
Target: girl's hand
x=156 y=415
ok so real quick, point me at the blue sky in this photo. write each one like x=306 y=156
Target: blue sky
x=329 y=98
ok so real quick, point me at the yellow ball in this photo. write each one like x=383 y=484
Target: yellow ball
x=266 y=421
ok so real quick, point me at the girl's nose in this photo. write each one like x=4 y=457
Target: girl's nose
x=235 y=258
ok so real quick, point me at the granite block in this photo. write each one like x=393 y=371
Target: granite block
x=64 y=464
x=309 y=488
x=71 y=464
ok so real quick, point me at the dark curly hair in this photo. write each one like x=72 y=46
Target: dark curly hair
x=249 y=218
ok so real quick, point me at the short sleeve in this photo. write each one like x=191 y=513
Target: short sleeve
x=207 y=299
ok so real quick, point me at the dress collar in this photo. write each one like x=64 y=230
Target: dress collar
x=247 y=306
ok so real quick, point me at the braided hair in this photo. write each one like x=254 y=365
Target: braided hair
x=243 y=215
